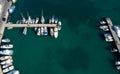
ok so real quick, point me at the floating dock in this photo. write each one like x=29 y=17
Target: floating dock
x=30 y=25
x=114 y=35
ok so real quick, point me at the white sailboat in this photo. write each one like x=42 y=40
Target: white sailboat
x=53 y=19
x=42 y=30
x=51 y=31
x=5 y=57
x=6 y=52
x=5 y=70
x=5 y=40
x=56 y=32
x=45 y=31
x=108 y=37
x=117 y=30
x=14 y=72
x=7 y=46
x=38 y=32
x=56 y=20
x=50 y=21
x=103 y=22
x=59 y=25
x=6 y=61
x=35 y=29
x=11 y=68
x=14 y=1
x=37 y=20
x=25 y=31
x=23 y=19
x=42 y=18
x=29 y=21
x=7 y=65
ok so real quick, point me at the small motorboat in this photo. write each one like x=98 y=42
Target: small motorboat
x=56 y=32
x=12 y=8
x=6 y=61
x=6 y=52
x=51 y=31
x=6 y=40
x=7 y=46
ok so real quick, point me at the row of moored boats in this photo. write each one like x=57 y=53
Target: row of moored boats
x=6 y=60
x=41 y=30
x=109 y=38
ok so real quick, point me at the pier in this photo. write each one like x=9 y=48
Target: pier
x=114 y=35
x=29 y=25
x=3 y=18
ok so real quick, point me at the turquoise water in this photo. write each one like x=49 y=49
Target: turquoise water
x=79 y=49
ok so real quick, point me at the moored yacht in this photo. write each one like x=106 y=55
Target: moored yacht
x=29 y=21
x=118 y=67
x=25 y=31
x=52 y=20
x=8 y=69
x=45 y=31
x=9 y=27
x=38 y=32
x=59 y=25
x=23 y=21
x=7 y=65
x=13 y=72
x=5 y=57
x=117 y=63
x=37 y=20
x=6 y=62
x=12 y=8
x=33 y=21
x=56 y=20
x=11 y=67
x=114 y=50
x=6 y=52
x=108 y=37
x=18 y=22
x=117 y=30
x=42 y=18
x=35 y=29
x=5 y=70
x=14 y=1
x=103 y=22
x=56 y=32
x=104 y=28
x=6 y=40
x=7 y=46
x=42 y=30
x=51 y=31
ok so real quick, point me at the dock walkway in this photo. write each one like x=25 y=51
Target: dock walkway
x=3 y=14
x=30 y=25
x=115 y=37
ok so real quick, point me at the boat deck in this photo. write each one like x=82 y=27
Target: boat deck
x=115 y=37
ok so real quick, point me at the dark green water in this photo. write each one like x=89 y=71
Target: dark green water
x=79 y=48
